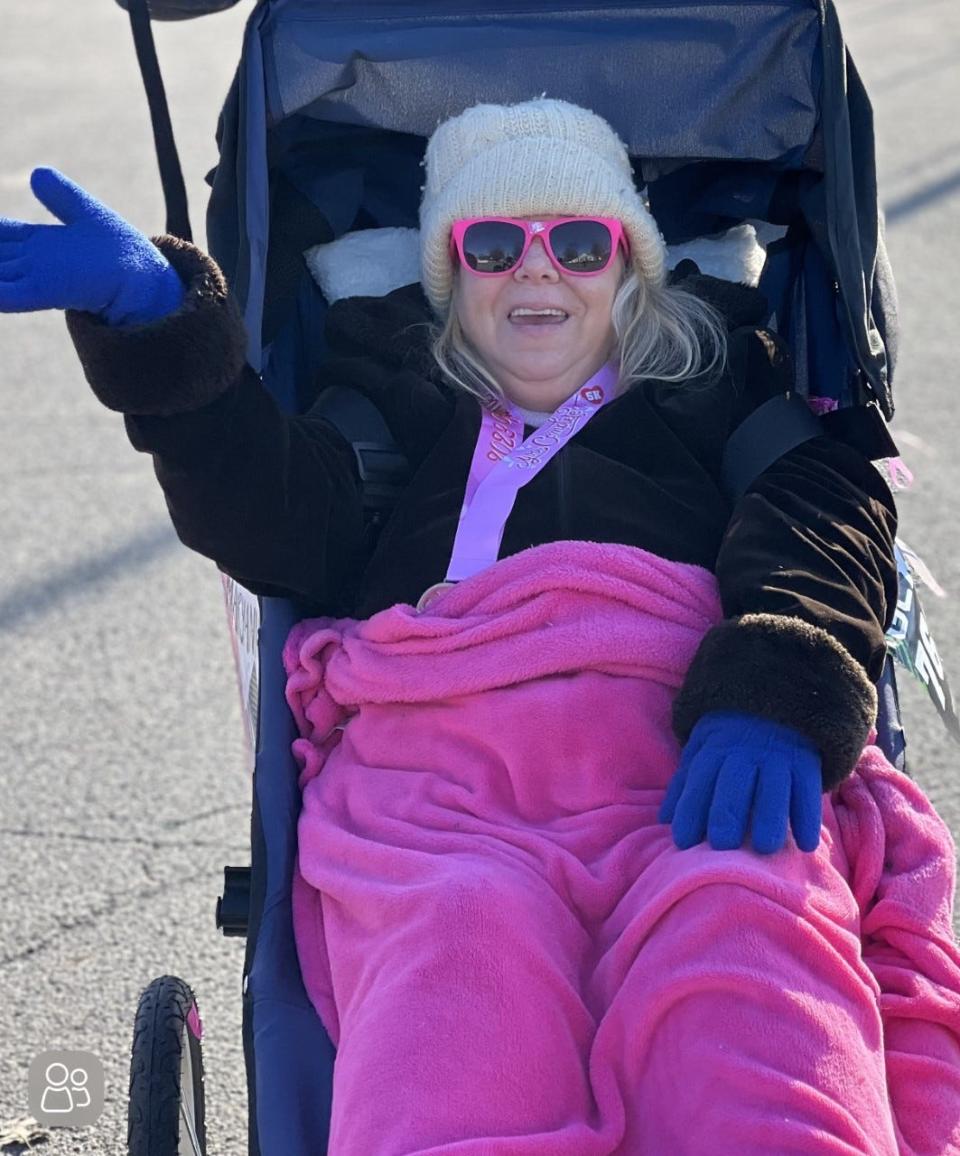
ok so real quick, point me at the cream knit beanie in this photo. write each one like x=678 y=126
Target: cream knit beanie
x=541 y=157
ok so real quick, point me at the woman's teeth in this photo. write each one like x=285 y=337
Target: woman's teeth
x=538 y=316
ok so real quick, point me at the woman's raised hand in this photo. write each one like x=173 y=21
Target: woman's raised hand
x=94 y=261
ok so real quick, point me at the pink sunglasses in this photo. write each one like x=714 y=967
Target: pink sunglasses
x=579 y=246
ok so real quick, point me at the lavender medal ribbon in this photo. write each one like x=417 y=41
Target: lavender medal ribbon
x=502 y=463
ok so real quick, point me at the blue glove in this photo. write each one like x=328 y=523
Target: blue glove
x=736 y=768
x=95 y=261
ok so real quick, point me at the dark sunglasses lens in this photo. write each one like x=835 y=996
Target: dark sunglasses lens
x=582 y=246
x=492 y=246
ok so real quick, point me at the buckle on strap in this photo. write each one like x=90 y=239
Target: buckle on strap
x=383 y=471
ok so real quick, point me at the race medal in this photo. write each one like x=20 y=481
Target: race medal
x=431 y=593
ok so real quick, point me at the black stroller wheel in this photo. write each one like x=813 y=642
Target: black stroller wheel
x=166 y=1113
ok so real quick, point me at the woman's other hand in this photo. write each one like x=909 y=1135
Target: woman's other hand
x=95 y=261
x=737 y=770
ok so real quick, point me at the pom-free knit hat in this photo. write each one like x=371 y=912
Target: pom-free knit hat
x=540 y=157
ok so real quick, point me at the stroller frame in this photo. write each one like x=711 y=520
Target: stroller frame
x=312 y=84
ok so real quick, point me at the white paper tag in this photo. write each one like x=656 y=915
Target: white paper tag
x=243 y=621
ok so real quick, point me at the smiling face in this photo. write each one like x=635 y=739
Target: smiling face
x=541 y=332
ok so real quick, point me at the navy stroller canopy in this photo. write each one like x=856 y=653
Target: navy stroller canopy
x=685 y=81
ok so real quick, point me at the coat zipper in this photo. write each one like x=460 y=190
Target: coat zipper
x=562 y=518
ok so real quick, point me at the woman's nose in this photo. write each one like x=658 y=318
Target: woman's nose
x=536 y=265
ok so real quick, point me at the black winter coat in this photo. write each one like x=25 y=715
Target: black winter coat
x=804 y=560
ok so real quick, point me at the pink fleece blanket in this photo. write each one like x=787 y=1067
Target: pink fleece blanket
x=507 y=948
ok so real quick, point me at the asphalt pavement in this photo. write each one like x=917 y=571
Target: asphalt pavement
x=122 y=765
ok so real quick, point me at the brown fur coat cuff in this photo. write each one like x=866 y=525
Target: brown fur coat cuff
x=177 y=363
x=786 y=670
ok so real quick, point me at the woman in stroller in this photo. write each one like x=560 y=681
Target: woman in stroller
x=576 y=690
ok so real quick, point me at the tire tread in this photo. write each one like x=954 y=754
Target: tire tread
x=153 y=1121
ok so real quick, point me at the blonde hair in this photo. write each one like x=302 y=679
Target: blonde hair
x=662 y=334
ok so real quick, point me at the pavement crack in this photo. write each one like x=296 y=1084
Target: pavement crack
x=90 y=918
x=119 y=840
x=172 y=824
